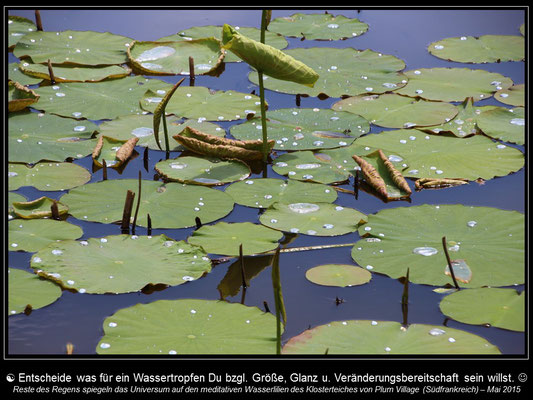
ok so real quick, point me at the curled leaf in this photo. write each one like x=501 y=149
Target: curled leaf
x=160 y=109
x=396 y=175
x=114 y=151
x=425 y=183
x=38 y=208
x=220 y=151
x=20 y=97
x=217 y=140
x=126 y=149
x=371 y=175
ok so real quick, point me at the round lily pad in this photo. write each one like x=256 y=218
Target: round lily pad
x=453 y=84
x=205 y=105
x=225 y=238
x=34 y=137
x=514 y=96
x=73 y=47
x=488 y=241
x=189 y=326
x=504 y=124
x=308 y=166
x=28 y=291
x=120 y=263
x=305 y=128
x=203 y=171
x=263 y=192
x=75 y=74
x=17 y=28
x=394 y=111
x=171 y=205
x=386 y=337
x=343 y=72
x=482 y=49
x=47 y=176
x=320 y=219
x=501 y=308
x=338 y=275
x=34 y=234
x=318 y=26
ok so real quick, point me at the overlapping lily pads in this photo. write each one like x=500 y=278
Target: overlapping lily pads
x=514 y=96
x=308 y=166
x=14 y=74
x=20 y=97
x=339 y=275
x=489 y=241
x=17 y=28
x=504 y=124
x=189 y=326
x=38 y=208
x=120 y=263
x=74 y=73
x=29 y=292
x=47 y=176
x=34 y=234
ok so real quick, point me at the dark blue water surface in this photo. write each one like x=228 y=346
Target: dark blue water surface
x=405 y=33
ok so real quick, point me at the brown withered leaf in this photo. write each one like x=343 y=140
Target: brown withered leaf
x=220 y=151
x=217 y=140
x=126 y=149
x=434 y=183
x=396 y=175
x=372 y=176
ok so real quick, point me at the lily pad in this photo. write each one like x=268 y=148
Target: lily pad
x=47 y=176
x=225 y=238
x=504 y=124
x=205 y=105
x=501 y=308
x=34 y=234
x=170 y=206
x=453 y=84
x=203 y=171
x=74 y=74
x=394 y=111
x=172 y=58
x=120 y=263
x=189 y=327
x=305 y=128
x=20 y=97
x=316 y=219
x=16 y=75
x=386 y=337
x=514 y=96
x=339 y=275
x=482 y=49
x=343 y=72
x=263 y=192
x=318 y=26
x=73 y=47
x=17 y=28
x=38 y=208
x=34 y=137
x=28 y=292
x=491 y=241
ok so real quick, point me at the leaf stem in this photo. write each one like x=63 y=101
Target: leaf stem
x=450 y=267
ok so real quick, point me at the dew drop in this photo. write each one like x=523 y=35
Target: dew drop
x=425 y=251
x=471 y=224
x=142 y=132
x=436 y=332
x=303 y=208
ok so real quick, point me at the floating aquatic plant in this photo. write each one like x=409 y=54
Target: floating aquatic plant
x=28 y=292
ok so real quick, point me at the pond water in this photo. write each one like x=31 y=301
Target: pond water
x=404 y=33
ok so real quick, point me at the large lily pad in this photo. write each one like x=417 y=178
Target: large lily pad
x=305 y=128
x=482 y=49
x=343 y=72
x=16 y=75
x=263 y=192
x=386 y=337
x=489 y=240
x=514 y=96
x=318 y=26
x=171 y=206
x=501 y=308
x=394 y=111
x=225 y=238
x=74 y=73
x=453 y=84
x=504 y=124
x=339 y=275
x=189 y=327
x=27 y=291
x=17 y=28
x=320 y=219
x=120 y=263
x=73 y=47
x=47 y=176
x=34 y=234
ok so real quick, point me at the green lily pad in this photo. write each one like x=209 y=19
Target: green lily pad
x=318 y=26
x=386 y=337
x=203 y=171
x=17 y=28
x=453 y=84
x=320 y=219
x=120 y=263
x=263 y=192
x=375 y=72
x=47 y=176
x=478 y=50
x=74 y=74
x=34 y=234
x=394 y=111
x=170 y=206
x=491 y=241
x=101 y=100
x=225 y=238
x=504 y=124
x=501 y=308
x=205 y=105
x=189 y=327
x=34 y=137
x=28 y=291
x=16 y=75
x=38 y=208
x=439 y=156
x=172 y=58
x=514 y=96
x=305 y=128
x=13 y=198
x=73 y=47
x=20 y=97
x=338 y=275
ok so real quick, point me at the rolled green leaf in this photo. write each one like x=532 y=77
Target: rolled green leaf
x=267 y=59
